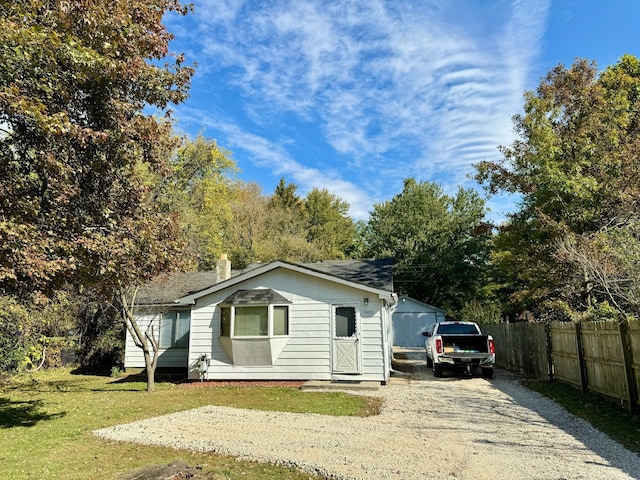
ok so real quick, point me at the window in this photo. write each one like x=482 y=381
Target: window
x=225 y=321
x=457 y=328
x=174 y=329
x=281 y=320
x=254 y=313
x=251 y=321
x=345 y=321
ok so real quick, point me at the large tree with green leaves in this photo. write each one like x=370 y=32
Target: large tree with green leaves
x=575 y=165
x=199 y=188
x=439 y=242
x=285 y=226
x=329 y=226
x=75 y=79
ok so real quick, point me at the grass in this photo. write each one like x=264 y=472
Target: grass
x=46 y=420
x=604 y=415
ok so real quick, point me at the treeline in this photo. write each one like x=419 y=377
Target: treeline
x=97 y=195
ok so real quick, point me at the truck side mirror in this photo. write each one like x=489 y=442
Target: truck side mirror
x=426 y=334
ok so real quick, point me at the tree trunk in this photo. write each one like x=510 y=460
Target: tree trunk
x=151 y=371
x=143 y=340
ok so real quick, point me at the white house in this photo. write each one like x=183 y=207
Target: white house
x=277 y=321
x=410 y=318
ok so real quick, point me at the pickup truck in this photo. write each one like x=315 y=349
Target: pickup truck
x=459 y=345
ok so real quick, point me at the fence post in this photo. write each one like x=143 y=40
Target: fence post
x=581 y=366
x=627 y=358
x=549 y=347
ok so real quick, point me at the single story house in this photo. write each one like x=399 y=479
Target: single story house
x=411 y=317
x=276 y=321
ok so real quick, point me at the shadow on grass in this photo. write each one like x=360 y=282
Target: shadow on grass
x=160 y=377
x=175 y=376
x=23 y=413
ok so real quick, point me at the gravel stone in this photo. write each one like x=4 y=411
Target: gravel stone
x=448 y=428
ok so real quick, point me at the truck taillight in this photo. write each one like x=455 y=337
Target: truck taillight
x=492 y=347
x=438 y=345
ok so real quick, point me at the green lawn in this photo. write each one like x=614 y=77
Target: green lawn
x=46 y=420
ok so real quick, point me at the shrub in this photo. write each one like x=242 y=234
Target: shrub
x=480 y=312
x=14 y=348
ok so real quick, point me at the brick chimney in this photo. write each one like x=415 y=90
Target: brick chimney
x=223 y=268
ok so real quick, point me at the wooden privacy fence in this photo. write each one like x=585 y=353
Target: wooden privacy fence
x=602 y=357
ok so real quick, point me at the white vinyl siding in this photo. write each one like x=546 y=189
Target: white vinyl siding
x=168 y=357
x=306 y=351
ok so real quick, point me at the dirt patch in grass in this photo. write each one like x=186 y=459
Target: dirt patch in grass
x=173 y=471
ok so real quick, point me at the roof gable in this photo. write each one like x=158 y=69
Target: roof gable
x=410 y=300
x=375 y=276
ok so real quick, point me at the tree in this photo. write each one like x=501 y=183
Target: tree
x=575 y=165
x=608 y=260
x=284 y=226
x=35 y=336
x=247 y=227
x=199 y=188
x=440 y=243
x=75 y=77
x=285 y=197
x=330 y=228
x=77 y=145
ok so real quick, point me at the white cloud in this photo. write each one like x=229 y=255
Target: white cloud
x=270 y=155
x=396 y=88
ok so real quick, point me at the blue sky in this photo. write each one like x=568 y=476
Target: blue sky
x=357 y=95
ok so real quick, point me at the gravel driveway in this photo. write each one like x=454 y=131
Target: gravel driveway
x=449 y=428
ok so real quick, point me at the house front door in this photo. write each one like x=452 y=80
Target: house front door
x=346 y=341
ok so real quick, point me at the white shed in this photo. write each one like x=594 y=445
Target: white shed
x=281 y=321
x=410 y=318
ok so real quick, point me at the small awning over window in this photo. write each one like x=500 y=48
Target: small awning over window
x=259 y=296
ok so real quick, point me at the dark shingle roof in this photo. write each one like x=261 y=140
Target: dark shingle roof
x=259 y=296
x=377 y=273
x=166 y=289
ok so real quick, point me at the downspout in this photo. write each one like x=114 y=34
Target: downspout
x=387 y=309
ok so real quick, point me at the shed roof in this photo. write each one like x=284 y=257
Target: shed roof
x=259 y=296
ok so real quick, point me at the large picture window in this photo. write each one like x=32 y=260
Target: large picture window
x=251 y=321
x=174 y=329
x=254 y=313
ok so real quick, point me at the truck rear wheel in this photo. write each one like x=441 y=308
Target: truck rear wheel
x=486 y=372
x=429 y=362
x=437 y=370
